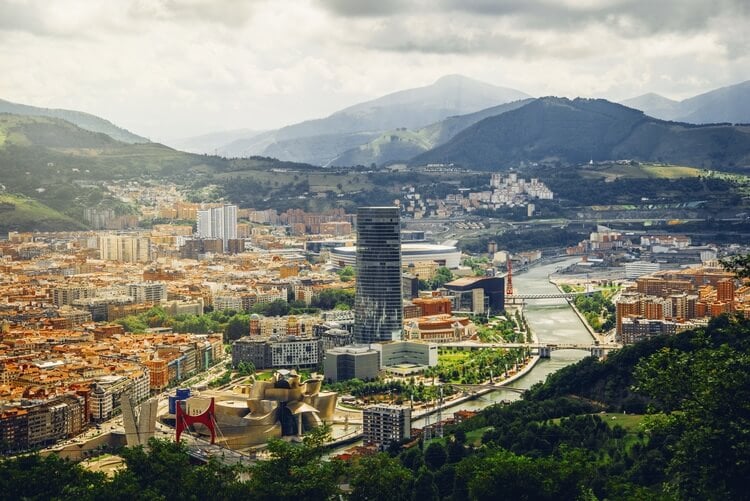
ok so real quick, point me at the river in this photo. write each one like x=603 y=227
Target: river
x=552 y=320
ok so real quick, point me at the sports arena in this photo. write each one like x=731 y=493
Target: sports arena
x=443 y=255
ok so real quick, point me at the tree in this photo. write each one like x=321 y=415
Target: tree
x=245 y=369
x=36 y=477
x=456 y=450
x=157 y=317
x=346 y=274
x=710 y=389
x=738 y=264
x=295 y=471
x=504 y=475
x=442 y=275
x=435 y=455
x=380 y=477
x=412 y=458
x=329 y=299
x=238 y=326
x=132 y=323
x=277 y=308
x=424 y=486
x=164 y=471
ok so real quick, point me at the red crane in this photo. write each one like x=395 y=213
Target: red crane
x=509 y=278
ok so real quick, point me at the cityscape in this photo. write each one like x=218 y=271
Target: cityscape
x=450 y=291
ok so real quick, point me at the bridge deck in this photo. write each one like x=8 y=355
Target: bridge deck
x=492 y=386
x=533 y=346
x=561 y=295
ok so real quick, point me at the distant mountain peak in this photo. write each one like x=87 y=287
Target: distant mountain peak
x=455 y=78
x=725 y=104
x=322 y=140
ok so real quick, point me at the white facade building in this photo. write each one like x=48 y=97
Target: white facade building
x=126 y=248
x=148 y=292
x=218 y=222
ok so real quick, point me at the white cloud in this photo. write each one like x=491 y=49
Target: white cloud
x=168 y=68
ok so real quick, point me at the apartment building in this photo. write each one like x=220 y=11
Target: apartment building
x=35 y=424
x=278 y=352
x=148 y=292
x=125 y=248
x=386 y=424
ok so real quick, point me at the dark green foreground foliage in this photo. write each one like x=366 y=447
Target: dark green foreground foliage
x=695 y=444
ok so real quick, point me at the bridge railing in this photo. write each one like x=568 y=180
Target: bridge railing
x=560 y=295
x=533 y=346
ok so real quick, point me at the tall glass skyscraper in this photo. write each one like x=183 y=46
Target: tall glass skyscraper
x=378 y=313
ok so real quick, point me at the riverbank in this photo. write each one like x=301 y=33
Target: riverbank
x=528 y=367
x=596 y=336
x=493 y=387
x=481 y=392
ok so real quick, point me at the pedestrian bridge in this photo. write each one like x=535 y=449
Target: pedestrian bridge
x=488 y=386
x=558 y=295
x=544 y=350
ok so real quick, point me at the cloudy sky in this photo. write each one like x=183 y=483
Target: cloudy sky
x=174 y=68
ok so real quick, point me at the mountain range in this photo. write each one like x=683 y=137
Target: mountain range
x=50 y=169
x=212 y=142
x=399 y=126
x=725 y=105
x=402 y=144
x=460 y=120
x=321 y=141
x=564 y=131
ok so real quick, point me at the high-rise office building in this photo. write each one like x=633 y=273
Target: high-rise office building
x=377 y=307
x=218 y=222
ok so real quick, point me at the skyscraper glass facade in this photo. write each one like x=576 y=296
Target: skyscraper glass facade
x=377 y=308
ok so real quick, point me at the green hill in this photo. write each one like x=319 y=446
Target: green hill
x=62 y=166
x=35 y=151
x=58 y=166
x=19 y=213
x=559 y=130
x=83 y=120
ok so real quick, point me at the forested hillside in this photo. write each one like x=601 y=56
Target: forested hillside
x=558 y=130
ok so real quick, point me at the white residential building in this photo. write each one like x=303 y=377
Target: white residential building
x=218 y=222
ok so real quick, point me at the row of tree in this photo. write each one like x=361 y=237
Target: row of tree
x=234 y=324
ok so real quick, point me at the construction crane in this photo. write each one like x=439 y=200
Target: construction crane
x=509 y=278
